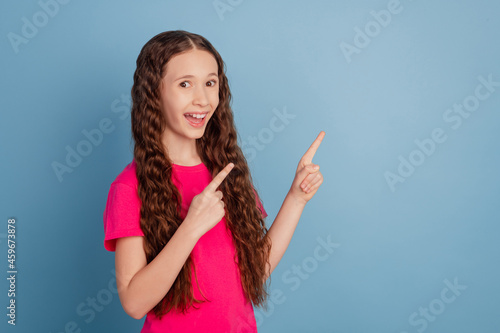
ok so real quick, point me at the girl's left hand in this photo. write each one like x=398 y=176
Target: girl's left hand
x=308 y=178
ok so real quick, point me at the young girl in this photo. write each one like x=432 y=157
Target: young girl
x=192 y=251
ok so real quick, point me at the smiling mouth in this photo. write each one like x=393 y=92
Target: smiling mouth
x=196 y=119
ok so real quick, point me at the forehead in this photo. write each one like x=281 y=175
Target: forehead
x=193 y=62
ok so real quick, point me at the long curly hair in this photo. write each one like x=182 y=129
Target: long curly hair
x=160 y=198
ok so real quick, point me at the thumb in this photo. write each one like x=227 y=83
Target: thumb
x=306 y=170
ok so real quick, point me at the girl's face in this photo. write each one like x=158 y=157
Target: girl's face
x=189 y=94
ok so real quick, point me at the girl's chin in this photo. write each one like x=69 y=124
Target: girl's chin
x=195 y=133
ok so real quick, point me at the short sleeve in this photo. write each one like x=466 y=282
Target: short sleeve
x=121 y=215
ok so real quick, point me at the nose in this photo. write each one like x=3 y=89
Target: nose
x=200 y=96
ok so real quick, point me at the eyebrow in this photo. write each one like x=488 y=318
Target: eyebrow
x=191 y=76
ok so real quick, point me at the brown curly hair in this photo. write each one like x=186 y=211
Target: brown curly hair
x=160 y=198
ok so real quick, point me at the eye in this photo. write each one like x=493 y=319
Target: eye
x=211 y=83
x=185 y=84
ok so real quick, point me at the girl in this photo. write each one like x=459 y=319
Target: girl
x=192 y=251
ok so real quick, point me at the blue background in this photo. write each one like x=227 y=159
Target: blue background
x=396 y=246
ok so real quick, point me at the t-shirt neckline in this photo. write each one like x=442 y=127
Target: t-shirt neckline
x=189 y=168
x=184 y=168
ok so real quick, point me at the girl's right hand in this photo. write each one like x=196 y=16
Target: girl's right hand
x=207 y=208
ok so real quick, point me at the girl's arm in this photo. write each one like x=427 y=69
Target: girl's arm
x=140 y=285
x=307 y=180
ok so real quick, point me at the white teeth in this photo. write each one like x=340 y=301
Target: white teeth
x=199 y=116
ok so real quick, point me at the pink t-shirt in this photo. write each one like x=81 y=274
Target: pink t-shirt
x=213 y=255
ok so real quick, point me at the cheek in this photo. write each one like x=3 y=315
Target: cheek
x=171 y=105
x=215 y=100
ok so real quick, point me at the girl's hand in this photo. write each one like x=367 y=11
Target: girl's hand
x=308 y=178
x=207 y=208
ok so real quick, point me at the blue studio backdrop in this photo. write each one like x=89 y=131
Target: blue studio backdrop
x=401 y=237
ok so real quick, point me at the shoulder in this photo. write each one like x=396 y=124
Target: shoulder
x=123 y=190
x=127 y=176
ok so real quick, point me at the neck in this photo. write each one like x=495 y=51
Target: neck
x=181 y=151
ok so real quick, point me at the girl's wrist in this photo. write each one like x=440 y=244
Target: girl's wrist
x=188 y=231
x=296 y=199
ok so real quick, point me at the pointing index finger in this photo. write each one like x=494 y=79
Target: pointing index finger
x=308 y=156
x=212 y=186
